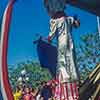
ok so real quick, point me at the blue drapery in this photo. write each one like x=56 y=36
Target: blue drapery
x=47 y=54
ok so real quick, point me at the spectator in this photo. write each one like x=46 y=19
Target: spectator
x=18 y=94
x=33 y=92
x=46 y=92
x=38 y=96
x=27 y=95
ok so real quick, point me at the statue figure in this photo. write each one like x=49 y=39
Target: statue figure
x=61 y=27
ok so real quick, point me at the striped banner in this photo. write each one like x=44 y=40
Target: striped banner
x=66 y=91
x=5 y=85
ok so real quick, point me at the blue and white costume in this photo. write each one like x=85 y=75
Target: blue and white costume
x=61 y=26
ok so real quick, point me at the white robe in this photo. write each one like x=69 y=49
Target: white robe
x=61 y=28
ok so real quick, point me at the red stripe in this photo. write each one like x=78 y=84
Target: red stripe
x=67 y=92
x=76 y=89
x=72 y=92
x=57 y=92
x=6 y=83
x=61 y=91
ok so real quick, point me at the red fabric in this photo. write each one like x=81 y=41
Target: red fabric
x=62 y=92
x=71 y=89
x=66 y=92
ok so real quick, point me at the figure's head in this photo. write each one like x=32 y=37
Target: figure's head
x=17 y=89
x=43 y=83
x=27 y=89
x=46 y=5
x=33 y=90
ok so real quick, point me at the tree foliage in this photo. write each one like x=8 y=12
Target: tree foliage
x=34 y=71
x=88 y=54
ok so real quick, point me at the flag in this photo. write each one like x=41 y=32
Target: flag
x=47 y=55
x=66 y=91
x=5 y=85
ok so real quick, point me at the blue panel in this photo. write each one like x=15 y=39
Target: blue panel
x=47 y=56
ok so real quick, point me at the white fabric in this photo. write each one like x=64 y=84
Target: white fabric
x=63 y=75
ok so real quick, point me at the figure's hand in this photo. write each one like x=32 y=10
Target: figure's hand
x=76 y=23
x=49 y=39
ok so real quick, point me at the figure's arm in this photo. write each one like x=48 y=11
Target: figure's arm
x=52 y=30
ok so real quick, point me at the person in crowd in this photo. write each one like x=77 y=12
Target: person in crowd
x=18 y=94
x=38 y=95
x=27 y=95
x=33 y=92
x=46 y=92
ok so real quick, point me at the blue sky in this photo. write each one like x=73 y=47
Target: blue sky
x=30 y=18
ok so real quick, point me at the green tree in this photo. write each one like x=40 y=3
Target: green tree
x=88 y=54
x=34 y=71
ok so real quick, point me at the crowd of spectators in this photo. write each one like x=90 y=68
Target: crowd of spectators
x=43 y=92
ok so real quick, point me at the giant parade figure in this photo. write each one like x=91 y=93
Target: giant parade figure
x=61 y=27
